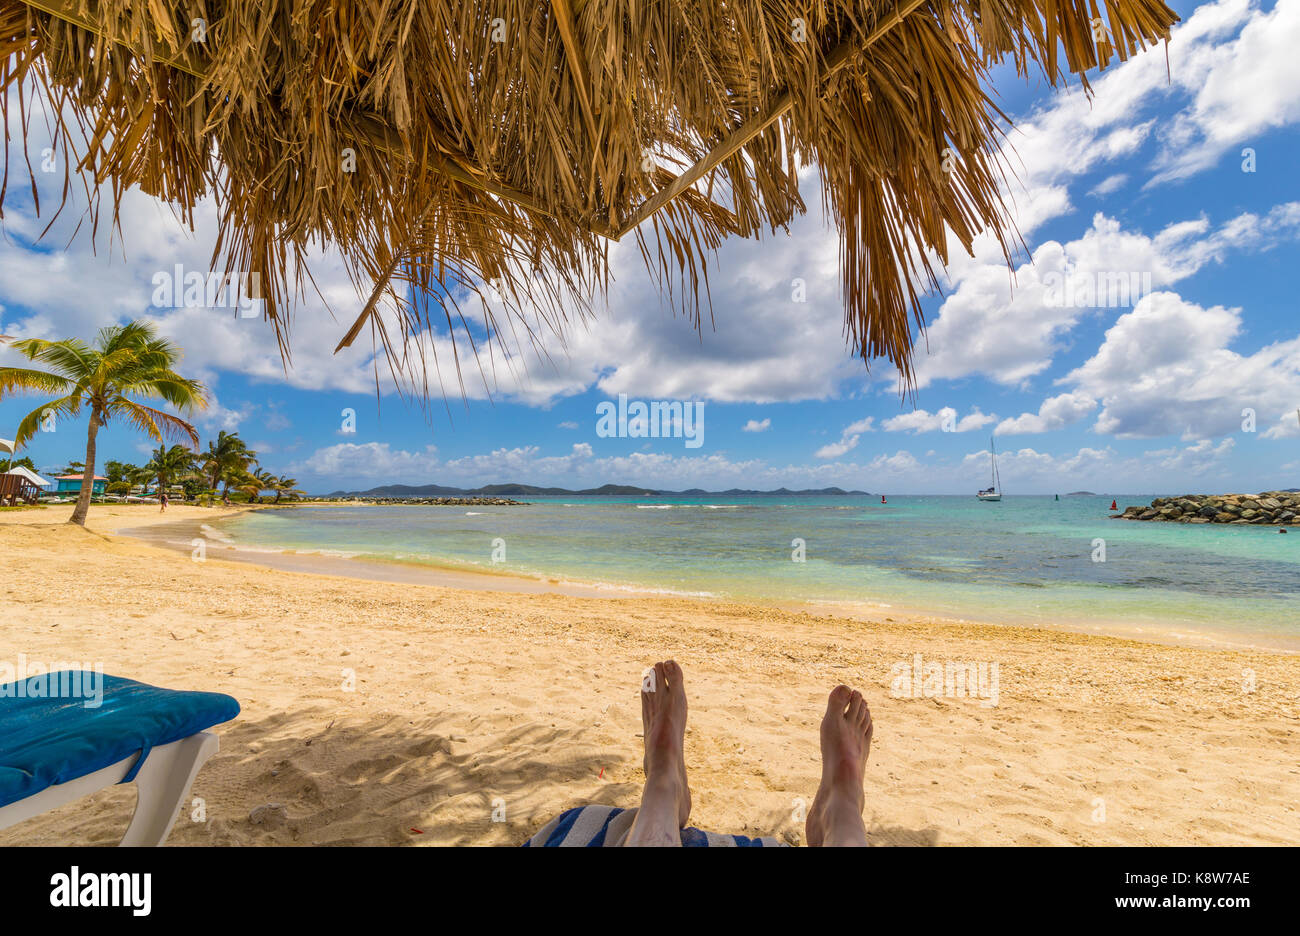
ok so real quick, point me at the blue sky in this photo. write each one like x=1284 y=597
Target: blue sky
x=1140 y=394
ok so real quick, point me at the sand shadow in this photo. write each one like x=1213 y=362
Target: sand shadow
x=300 y=778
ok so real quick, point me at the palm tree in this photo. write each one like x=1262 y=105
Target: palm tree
x=226 y=460
x=168 y=464
x=254 y=482
x=125 y=359
x=139 y=475
x=286 y=485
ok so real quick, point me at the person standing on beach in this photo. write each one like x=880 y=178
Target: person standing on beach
x=162 y=499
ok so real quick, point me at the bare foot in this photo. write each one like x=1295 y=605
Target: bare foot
x=836 y=814
x=666 y=799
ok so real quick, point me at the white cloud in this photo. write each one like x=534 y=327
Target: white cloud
x=1166 y=369
x=1109 y=185
x=900 y=463
x=1055 y=413
x=1243 y=88
x=1197 y=459
x=988 y=328
x=921 y=420
x=755 y=425
x=848 y=439
x=369 y=461
x=1026 y=469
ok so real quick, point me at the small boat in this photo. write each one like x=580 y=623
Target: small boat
x=994 y=491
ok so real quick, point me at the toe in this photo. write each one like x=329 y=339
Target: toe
x=839 y=698
x=855 y=706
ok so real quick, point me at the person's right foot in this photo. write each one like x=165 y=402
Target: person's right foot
x=666 y=798
x=836 y=814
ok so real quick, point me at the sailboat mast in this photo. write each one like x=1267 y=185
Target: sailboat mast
x=993 y=454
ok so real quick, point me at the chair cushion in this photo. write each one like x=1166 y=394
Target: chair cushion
x=52 y=730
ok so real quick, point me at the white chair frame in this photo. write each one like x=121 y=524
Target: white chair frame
x=161 y=787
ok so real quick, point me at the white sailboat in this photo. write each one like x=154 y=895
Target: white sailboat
x=994 y=492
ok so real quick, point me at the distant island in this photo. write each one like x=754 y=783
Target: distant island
x=1081 y=494
x=617 y=490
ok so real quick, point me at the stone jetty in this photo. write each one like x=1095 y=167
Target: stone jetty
x=1276 y=507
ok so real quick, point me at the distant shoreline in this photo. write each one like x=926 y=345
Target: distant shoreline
x=612 y=490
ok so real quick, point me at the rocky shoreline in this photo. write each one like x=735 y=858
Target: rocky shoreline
x=424 y=501
x=1275 y=507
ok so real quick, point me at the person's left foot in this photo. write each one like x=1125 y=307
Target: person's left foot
x=666 y=800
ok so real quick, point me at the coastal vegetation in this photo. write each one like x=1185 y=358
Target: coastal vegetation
x=124 y=362
x=109 y=377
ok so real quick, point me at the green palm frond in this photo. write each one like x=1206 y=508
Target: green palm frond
x=154 y=422
x=26 y=380
x=72 y=357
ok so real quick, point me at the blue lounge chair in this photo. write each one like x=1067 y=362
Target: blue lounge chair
x=70 y=733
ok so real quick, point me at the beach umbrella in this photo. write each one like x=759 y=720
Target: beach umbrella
x=7 y=447
x=441 y=147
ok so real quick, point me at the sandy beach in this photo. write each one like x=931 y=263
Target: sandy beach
x=397 y=713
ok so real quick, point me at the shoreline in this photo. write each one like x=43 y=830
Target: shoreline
x=395 y=713
x=161 y=533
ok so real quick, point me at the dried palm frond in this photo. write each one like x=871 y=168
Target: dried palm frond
x=507 y=141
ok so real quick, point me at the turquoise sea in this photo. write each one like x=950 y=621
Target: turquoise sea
x=1029 y=560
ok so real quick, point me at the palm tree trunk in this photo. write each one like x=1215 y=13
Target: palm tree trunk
x=88 y=479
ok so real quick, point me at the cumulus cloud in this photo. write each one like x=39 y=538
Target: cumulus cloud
x=1193 y=460
x=756 y=425
x=945 y=420
x=1166 y=368
x=1055 y=413
x=989 y=328
x=1242 y=87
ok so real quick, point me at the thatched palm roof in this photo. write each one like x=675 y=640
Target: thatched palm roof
x=510 y=140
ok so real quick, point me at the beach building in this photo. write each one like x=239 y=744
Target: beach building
x=71 y=484
x=20 y=485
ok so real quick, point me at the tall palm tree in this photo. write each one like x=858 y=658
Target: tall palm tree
x=124 y=361
x=226 y=459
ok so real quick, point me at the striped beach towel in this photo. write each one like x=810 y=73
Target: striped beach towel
x=607 y=827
